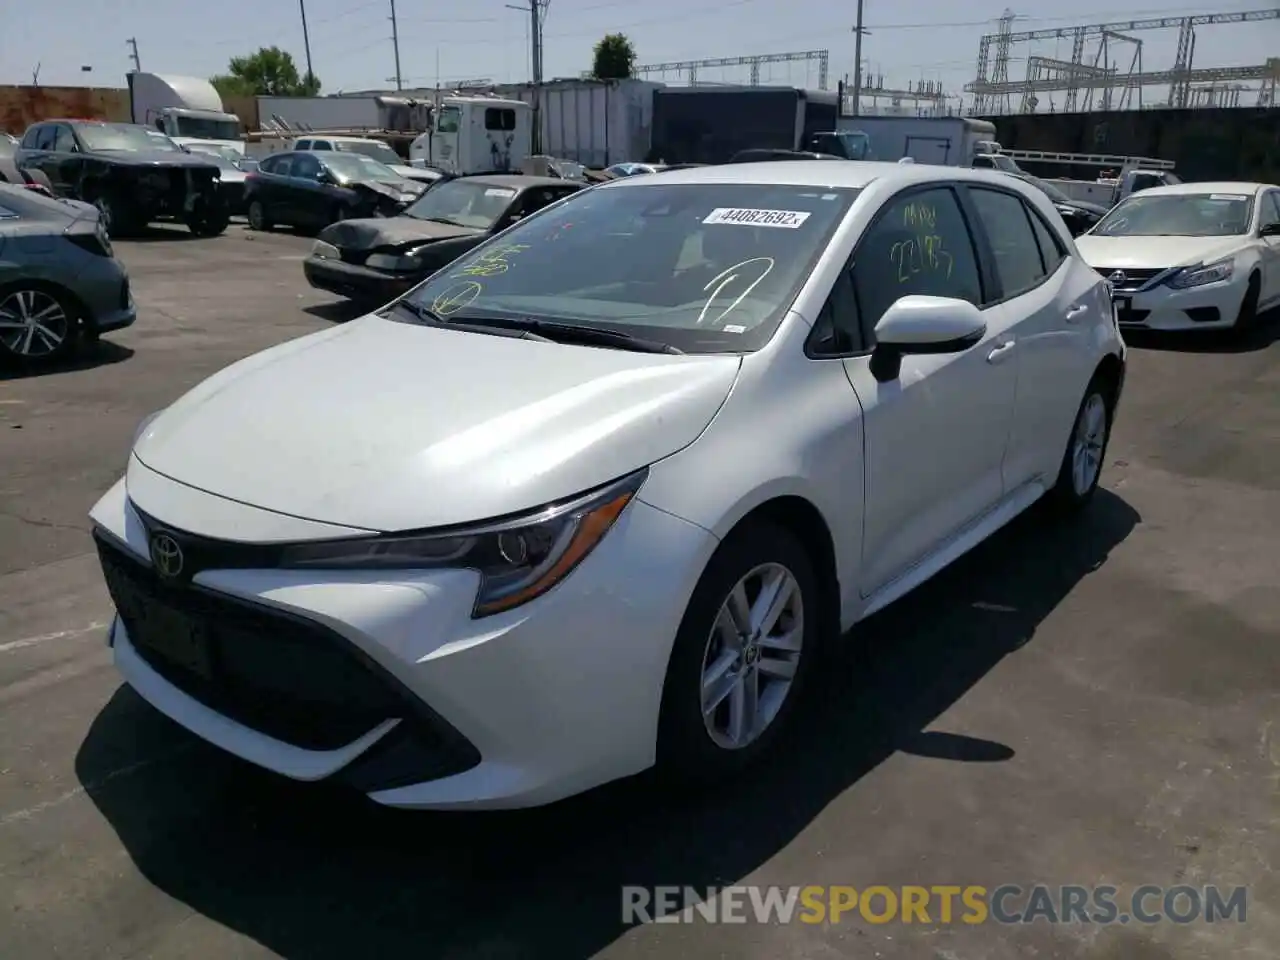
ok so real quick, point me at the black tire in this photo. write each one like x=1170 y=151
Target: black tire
x=33 y=345
x=118 y=215
x=209 y=219
x=1068 y=494
x=1247 y=318
x=687 y=752
x=256 y=213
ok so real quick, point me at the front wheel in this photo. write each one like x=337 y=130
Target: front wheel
x=209 y=218
x=1086 y=449
x=257 y=215
x=741 y=655
x=36 y=324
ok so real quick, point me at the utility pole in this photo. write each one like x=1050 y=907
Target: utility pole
x=395 y=43
x=306 y=40
x=858 y=31
x=536 y=10
x=137 y=64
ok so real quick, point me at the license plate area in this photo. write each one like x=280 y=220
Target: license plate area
x=174 y=637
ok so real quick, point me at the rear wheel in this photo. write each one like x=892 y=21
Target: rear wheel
x=36 y=324
x=257 y=215
x=1086 y=449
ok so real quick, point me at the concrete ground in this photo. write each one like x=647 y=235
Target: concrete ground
x=1097 y=703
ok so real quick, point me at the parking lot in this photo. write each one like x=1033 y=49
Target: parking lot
x=1087 y=704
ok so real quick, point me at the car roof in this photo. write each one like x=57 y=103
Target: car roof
x=325 y=136
x=812 y=173
x=1215 y=186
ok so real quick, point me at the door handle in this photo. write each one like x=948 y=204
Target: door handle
x=1001 y=353
x=1077 y=311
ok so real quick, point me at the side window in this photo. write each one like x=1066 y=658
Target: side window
x=47 y=136
x=283 y=167
x=302 y=145
x=1013 y=242
x=836 y=330
x=306 y=166
x=31 y=139
x=919 y=244
x=268 y=164
x=448 y=120
x=1052 y=251
x=321 y=145
x=64 y=140
x=1270 y=209
x=984 y=162
x=499 y=118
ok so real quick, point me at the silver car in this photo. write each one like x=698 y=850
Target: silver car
x=59 y=278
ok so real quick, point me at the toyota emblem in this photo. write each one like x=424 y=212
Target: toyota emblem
x=166 y=555
x=1118 y=278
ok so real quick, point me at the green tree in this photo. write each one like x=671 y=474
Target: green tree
x=615 y=58
x=270 y=72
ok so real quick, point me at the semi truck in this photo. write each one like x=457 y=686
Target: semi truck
x=183 y=108
x=949 y=141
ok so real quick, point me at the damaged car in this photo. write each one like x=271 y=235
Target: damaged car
x=310 y=190
x=380 y=259
x=131 y=176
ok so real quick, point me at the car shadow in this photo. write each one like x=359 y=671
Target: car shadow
x=159 y=233
x=340 y=311
x=86 y=357
x=1260 y=336
x=310 y=872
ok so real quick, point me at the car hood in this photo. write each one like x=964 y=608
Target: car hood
x=1097 y=209
x=153 y=158
x=386 y=426
x=416 y=174
x=397 y=190
x=390 y=232
x=1154 y=253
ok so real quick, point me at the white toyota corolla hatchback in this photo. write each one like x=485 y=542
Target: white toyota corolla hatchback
x=1195 y=256
x=590 y=499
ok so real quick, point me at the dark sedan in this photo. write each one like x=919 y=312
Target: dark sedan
x=311 y=190
x=379 y=259
x=59 y=278
x=1078 y=215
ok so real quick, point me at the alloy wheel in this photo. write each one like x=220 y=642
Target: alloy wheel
x=751 y=656
x=1086 y=449
x=33 y=323
x=104 y=213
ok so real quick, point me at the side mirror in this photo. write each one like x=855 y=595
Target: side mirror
x=1270 y=230
x=918 y=324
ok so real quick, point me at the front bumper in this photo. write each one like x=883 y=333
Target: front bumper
x=105 y=292
x=382 y=679
x=355 y=282
x=1208 y=307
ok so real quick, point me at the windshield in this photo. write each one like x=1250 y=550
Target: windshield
x=1052 y=192
x=113 y=136
x=705 y=268
x=208 y=128
x=463 y=203
x=1179 y=215
x=354 y=166
x=375 y=150
x=857 y=145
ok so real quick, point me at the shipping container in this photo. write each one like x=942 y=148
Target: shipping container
x=592 y=122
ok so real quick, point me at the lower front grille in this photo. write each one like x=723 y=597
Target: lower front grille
x=282 y=675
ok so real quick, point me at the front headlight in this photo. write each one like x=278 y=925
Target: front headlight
x=518 y=559
x=1199 y=276
x=325 y=250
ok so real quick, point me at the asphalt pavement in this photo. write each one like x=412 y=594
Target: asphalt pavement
x=1090 y=703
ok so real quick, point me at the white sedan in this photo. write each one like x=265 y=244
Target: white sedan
x=589 y=499
x=1195 y=256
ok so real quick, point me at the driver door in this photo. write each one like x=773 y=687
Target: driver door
x=1270 y=249
x=935 y=436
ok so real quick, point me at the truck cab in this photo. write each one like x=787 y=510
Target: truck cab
x=476 y=135
x=182 y=108
x=846 y=144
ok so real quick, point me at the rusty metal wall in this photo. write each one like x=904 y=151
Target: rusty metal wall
x=1240 y=143
x=22 y=106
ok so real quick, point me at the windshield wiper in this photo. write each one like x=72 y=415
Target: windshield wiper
x=429 y=316
x=557 y=331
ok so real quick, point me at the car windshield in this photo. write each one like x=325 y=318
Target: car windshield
x=119 y=136
x=1179 y=215
x=704 y=268
x=1052 y=192
x=375 y=150
x=463 y=203
x=211 y=128
x=355 y=166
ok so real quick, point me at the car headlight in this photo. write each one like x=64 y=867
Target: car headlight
x=325 y=250
x=1199 y=276
x=518 y=559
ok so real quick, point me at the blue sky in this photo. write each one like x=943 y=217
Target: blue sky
x=351 y=46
